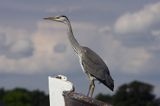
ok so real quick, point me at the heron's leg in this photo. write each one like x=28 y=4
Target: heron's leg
x=92 y=87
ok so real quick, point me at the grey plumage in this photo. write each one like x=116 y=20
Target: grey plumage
x=91 y=63
x=95 y=66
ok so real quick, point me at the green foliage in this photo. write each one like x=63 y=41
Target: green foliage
x=17 y=97
x=22 y=97
x=133 y=94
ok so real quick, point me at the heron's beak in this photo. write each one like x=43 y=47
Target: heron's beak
x=50 y=18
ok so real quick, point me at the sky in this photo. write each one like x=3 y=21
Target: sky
x=126 y=35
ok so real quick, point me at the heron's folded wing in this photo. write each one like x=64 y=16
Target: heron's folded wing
x=94 y=65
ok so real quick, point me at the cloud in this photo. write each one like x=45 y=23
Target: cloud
x=20 y=49
x=140 y=20
x=135 y=60
x=15 y=44
x=121 y=58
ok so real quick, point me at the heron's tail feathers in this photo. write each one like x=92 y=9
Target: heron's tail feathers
x=109 y=82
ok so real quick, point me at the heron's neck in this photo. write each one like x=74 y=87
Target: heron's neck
x=72 y=39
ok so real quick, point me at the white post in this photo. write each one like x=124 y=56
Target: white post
x=56 y=87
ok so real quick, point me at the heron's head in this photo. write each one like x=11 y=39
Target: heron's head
x=61 y=18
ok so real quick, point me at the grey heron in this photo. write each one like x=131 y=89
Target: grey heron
x=91 y=63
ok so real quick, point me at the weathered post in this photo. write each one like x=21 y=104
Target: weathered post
x=76 y=99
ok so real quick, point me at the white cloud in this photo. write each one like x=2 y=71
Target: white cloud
x=140 y=20
x=15 y=43
x=43 y=57
x=122 y=58
x=135 y=59
x=20 y=46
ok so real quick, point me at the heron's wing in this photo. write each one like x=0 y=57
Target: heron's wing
x=94 y=65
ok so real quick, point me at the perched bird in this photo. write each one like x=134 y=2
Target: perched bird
x=91 y=63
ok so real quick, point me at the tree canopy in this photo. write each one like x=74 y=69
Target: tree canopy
x=133 y=94
x=23 y=97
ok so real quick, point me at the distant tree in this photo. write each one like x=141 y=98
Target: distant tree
x=17 y=97
x=39 y=98
x=134 y=94
x=23 y=97
x=104 y=98
x=2 y=93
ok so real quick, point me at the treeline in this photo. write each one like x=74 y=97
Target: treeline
x=133 y=94
x=23 y=97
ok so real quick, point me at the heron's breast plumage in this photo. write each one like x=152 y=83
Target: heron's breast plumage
x=80 y=61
